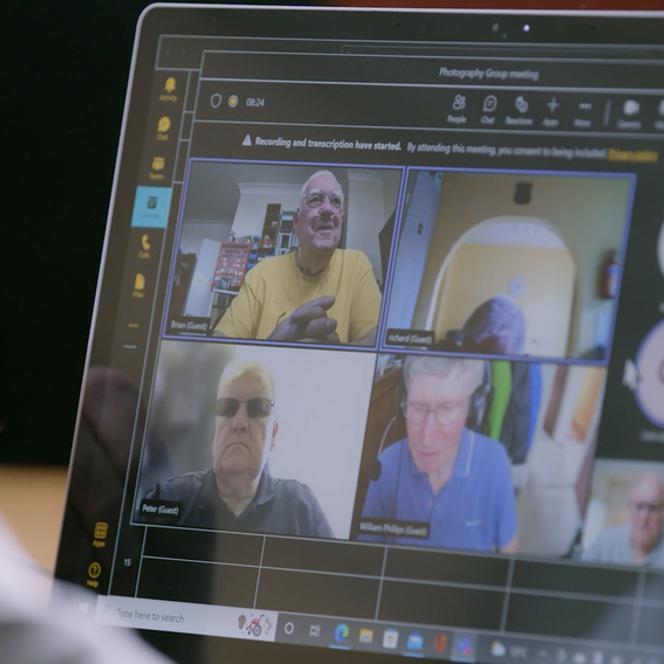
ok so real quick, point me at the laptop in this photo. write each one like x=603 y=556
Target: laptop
x=377 y=361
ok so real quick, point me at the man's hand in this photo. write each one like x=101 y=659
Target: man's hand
x=309 y=322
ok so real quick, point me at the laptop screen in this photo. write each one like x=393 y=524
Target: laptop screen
x=377 y=364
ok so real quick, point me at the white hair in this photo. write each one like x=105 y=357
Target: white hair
x=305 y=186
x=444 y=366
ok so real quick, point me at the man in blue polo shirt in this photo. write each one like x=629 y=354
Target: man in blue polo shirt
x=456 y=481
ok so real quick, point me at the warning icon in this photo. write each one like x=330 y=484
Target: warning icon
x=247 y=141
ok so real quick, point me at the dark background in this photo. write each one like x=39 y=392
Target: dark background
x=65 y=67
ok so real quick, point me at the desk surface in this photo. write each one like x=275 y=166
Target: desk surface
x=31 y=501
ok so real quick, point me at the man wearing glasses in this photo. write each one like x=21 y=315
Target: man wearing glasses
x=318 y=293
x=451 y=479
x=238 y=492
x=639 y=541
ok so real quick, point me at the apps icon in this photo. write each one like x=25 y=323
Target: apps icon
x=415 y=641
x=341 y=632
x=101 y=530
x=366 y=635
x=390 y=638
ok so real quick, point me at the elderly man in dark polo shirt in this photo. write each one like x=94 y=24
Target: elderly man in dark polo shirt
x=238 y=492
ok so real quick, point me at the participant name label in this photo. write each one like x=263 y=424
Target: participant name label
x=410 y=338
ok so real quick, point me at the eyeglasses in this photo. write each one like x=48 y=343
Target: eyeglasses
x=256 y=407
x=316 y=199
x=445 y=413
x=649 y=508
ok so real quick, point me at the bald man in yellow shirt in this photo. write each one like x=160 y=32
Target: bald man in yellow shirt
x=318 y=293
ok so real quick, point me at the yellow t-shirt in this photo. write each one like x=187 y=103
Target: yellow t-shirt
x=275 y=287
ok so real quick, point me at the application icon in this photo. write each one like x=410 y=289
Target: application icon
x=164 y=124
x=341 y=633
x=498 y=649
x=169 y=85
x=314 y=631
x=390 y=638
x=139 y=282
x=415 y=641
x=463 y=648
x=631 y=107
x=439 y=642
x=233 y=101
x=158 y=164
x=145 y=242
x=101 y=530
x=152 y=202
x=94 y=570
x=490 y=104
x=366 y=635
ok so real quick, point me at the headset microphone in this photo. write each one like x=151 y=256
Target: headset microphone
x=377 y=466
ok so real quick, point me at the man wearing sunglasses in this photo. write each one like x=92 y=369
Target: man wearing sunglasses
x=319 y=293
x=238 y=492
x=452 y=485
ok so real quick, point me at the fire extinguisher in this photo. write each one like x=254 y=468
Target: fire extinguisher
x=609 y=281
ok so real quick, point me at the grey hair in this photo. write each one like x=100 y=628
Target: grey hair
x=444 y=366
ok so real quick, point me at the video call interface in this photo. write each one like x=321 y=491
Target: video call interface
x=411 y=372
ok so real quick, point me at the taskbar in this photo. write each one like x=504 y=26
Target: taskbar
x=410 y=640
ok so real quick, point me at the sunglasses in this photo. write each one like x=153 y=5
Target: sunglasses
x=256 y=407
